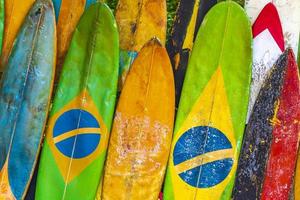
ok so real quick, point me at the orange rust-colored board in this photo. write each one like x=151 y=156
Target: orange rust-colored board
x=69 y=15
x=139 y=21
x=142 y=131
x=15 y=12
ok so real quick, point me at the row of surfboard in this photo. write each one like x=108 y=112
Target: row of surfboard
x=93 y=151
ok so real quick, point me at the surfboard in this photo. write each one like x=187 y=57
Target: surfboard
x=188 y=19
x=79 y=124
x=289 y=15
x=138 y=21
x=212 y=110
x=268 y=160
x=141 y=135
x=68 y=13
x=15 y=12
x=268 y=45
x=25 y=92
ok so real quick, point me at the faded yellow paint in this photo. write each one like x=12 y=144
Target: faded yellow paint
x=211 y=109
x=189 y=38
x=15 y=13
x=142 y=130
x=204 y=159
x=139 y=21
x=69 y=15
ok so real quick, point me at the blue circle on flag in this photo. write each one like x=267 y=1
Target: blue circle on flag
x=198 y=141
x=77 y=145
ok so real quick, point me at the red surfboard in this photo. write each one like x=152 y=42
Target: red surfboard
x=283 y=150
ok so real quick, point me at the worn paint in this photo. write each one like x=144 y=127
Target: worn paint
x=139 y=21
x=141 y=135
x=212 y=110
x=268 y=159
x=268 y=45
x=79 y=124
x=15 y=12
x=279 y=174
x=189 y=16
x=25 y=92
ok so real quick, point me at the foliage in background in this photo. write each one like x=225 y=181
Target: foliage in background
x=171 y=6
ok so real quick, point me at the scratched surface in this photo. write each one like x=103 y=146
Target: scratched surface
x=258 y=135
x=142 y=131
x=268 y=158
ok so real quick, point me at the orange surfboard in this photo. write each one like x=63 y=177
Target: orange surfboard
x=142 y=131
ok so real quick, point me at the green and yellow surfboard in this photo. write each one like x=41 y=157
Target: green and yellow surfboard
x=212 y=110
x=80 y=121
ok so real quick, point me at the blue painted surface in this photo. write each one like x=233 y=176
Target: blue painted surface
x=56 y=4
x=24 y=95
x=85 y=144
x=198 y=141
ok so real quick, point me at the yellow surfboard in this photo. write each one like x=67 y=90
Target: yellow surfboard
x=139 y=21
x=142 y=131
x=15 y=12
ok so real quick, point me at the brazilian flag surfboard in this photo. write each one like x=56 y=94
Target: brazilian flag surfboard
x=212 y=110
x=80 y=120
x=68 y=13
x=138 y=21
x=25 y=92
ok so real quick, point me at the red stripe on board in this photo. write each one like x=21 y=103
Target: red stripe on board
x=283 y=150
x=269 y=19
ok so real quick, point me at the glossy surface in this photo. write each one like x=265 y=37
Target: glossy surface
x=189 y=16
x=68 y=13
x=143 y=126
x=212 y=110
x=15 y=12
x=268 y=45
x=138 y=21
x=80 y=120
x=25 y=92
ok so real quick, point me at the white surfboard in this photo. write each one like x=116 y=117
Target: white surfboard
x=268 y=45
x=289 y=12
